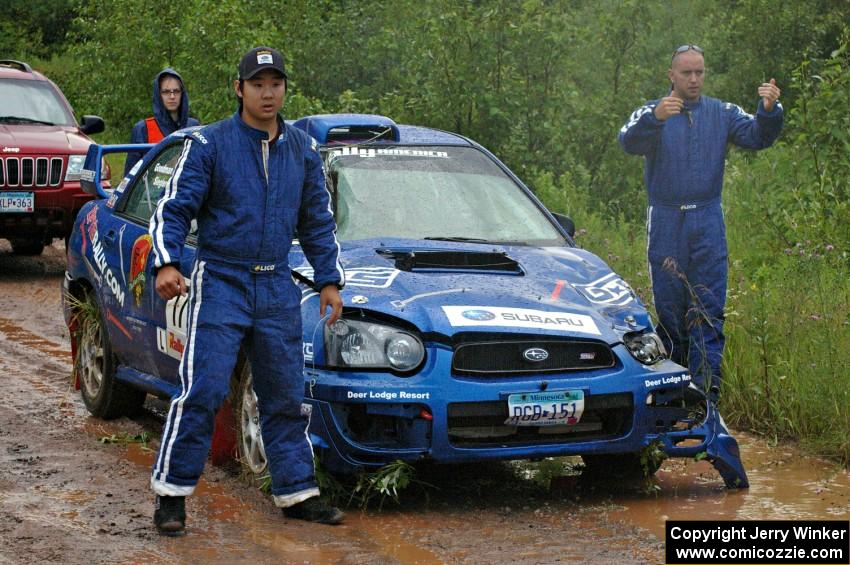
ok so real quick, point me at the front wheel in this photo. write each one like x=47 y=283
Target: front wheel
x=103 y=395
x=249 y=438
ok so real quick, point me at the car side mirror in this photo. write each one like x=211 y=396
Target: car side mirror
x=567 y=223
x=90 y=125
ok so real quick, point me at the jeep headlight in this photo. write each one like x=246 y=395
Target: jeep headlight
x=646 y=347
x=75 y=167
x=369 y=345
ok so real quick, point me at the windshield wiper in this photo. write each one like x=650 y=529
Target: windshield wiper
x=6 y=119
x=458 y=238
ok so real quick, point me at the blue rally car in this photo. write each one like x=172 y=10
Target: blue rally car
x=473 y=326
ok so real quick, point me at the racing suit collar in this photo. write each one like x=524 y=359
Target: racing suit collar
x=262 y=135
x=693 y=105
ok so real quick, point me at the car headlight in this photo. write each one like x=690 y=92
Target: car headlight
x=363 y=344
x=75 y=167
x=646 y=347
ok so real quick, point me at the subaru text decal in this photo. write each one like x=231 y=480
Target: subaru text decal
x=520 y=318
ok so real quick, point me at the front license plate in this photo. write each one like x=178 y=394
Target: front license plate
x=545 y=408
x=16 y=202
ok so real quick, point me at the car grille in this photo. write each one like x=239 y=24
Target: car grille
x=529 y=356
x=481 y=424
x=30 y=171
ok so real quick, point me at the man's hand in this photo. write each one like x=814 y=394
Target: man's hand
x=669 y=106
x=170 y=283
x=330 y=297
x=769 y=94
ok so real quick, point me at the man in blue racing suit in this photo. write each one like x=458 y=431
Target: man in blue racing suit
x=683 y=138
x=253 y=183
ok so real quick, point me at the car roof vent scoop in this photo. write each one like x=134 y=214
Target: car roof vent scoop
x=11 y=63
x=329 y=129
x=437 y=261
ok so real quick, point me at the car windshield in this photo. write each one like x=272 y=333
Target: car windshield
x=430 y=192
x=32 y=101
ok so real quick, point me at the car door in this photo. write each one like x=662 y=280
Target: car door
x=161 y=326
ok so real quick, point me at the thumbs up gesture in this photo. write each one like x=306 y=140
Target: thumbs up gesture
x=769 y=94
x=669 y=106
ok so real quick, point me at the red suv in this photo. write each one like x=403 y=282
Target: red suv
x=42 y=150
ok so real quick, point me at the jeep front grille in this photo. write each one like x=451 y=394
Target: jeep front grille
x=529 y=356
x=30 y=171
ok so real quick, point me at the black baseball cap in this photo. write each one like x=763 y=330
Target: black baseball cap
x=260 y=58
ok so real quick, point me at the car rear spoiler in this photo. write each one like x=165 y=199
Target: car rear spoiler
x=90 y=177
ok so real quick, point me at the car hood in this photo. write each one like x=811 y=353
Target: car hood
x=448 y=288
x=30 y=138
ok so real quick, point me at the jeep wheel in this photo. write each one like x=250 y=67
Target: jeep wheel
x=249 y=440
x=27 y=247
x=618 y=466
x=102 y=394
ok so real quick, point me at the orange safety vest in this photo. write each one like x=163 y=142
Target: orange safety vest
x=154 y=133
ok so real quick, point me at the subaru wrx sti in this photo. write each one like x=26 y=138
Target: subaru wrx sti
x=474 y=328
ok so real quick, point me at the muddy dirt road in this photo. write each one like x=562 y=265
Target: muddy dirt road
x=66 y=497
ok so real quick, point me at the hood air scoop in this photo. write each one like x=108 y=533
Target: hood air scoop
x=451 y=261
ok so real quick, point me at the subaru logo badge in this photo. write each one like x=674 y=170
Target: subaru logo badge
x=535 y=354
x=478 y=315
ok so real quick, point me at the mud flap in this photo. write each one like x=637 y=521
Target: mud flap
x=723 y=452
x=223 y=448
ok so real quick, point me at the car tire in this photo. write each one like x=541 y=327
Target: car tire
x=27 y=247
x=103 y=395
x=249 y=440
x=618 y=466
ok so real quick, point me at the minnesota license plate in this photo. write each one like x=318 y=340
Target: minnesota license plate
x=16 y=202
x=545 y=408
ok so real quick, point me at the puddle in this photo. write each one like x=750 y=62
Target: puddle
x=217 y=513
x=784 y=485
x=392 y=533
x=265 y=533
x=26 y=338
x=229 y=522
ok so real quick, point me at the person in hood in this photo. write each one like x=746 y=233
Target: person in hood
x=170 y=113
x=683 y=138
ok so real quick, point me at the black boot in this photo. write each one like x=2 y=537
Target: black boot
x=314 y=509
x=170 y=515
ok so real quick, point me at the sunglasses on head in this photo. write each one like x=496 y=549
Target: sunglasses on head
x=686 y=48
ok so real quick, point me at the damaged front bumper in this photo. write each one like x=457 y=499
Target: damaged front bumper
x=371 y=419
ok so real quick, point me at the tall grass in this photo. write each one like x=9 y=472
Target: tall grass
x=787 y=372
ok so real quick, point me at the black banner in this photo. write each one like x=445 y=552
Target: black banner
x=815 y=542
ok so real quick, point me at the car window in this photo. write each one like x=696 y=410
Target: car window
x=33 y=100
x=431 y=192
x=150 y=184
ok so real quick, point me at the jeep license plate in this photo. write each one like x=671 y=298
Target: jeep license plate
x=16 y=202
x=545 y=408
